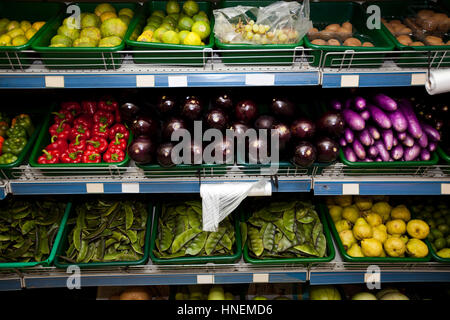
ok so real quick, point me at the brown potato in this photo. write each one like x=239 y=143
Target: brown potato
x=333 y=42
x=313 y=30
x=395 y=22
x=332 y=27
x=319 y=42
x=425 y=13
x=405 y=40
x=136 y=293
x=440 y=17
x=352 y=42
x=367 y=44
x=347 y=25
x=434 y=41
x=405 y=30
x=448 y=43
x=344 y=33
x=397 y=28
x=417 y=44
x=326 y=34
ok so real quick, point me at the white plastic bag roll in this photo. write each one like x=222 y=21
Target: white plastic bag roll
x=438 y=81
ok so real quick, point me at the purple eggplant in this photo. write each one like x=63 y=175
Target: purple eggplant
x=398 y=121
x=423 y=141
x=432 y=146
x=359 y=104
x=342 y=142
x=365 y=138
x=402 y=136
x=385 y=102
x=353 y=120
x=431 y=132
x=388 y=138
x=365 y=115
x=395 y=142
x=425 y=155
x=349 y=135
x=373 y=152
x=408 y=141
x=374 y=132
x=384 y=154
x=414 y=127
x=359 y=150
x=336 y=104
x=412 y=153
x=397 y=152
x=378 y=159
x=380 y=118
x=367 y=160
x=349 y=154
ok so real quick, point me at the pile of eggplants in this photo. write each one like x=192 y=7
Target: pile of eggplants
x=383 y=129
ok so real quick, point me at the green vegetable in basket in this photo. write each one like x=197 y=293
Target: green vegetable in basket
x=285 y=230
x=23 y=121
x=7 y=158
x=16 y=132
x=28 y=229
x=107 y=231
x=14 y=145
x=3 y=128
x=180 y=233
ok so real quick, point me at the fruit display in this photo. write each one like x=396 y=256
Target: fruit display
x=369 y=226
x=105 y=27
x=336 y=35
x=181 y=23
x=28 y=229
x=106 y=231
x=14 y=136
x=15 y=33
x=180 y=233
x=204 y=292
x=285 y=230
x=384 y=129
x=89 y=132
x=437 y=215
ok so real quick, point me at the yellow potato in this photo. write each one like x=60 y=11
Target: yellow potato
x=416 y=44
x=333 y=42
x=319 y=42
x=404 y=39
x=332 y=27
x=352 y=42
x=367 y=44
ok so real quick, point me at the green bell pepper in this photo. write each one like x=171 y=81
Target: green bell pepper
x=7 y=158
x=24 y=121
x=3 y=128
x=16 y=132
x=14 y=145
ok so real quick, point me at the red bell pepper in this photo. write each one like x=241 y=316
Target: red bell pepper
x=118 y=128
x=97 y=144
x=77 y=145
x=114 y=155
x=90 y=156
x=72 y=106
x=49 y=157
x=72 y=157
x=57 y=144
x=61 y=130
x=118 y=117
x=118 y=142
x=83 y=120
x=63 y=115
x=81 y=131
x=100 y=130
x=89 y=107
x=104 y=117
x=108 y=105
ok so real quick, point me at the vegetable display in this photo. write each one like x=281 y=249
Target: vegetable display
x=90 y=132
x=14 y=136
x=15 y=33
x=180 y=233
x=106 y=231
x=28 y=229
x=285 y=230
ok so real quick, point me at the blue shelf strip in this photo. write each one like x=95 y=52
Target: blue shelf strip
x=10 y=284
x=333 y=80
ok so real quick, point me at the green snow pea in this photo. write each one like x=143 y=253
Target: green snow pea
x=197 y=244
x=165 y=237
x=183 y=238
x=256 y=242
x=213 y=240
x=269 y=236
x=289 y=219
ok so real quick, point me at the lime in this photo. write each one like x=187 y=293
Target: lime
x=440 y=243
x=185 y=23
x=182 y=35
x=159 y=32
x=90 y=20
x=25 y=25
x=174 y=16
x=155 y=19
x=104 y=7
x=37 y=25
x=437 y=234
x=190 y=7
x=158 y=13
x=170 y=20
x=199 y=17
x=85 y=42
x=443 y=228
x=167 y=26
x=91 y=32
x=30 y=33
x=15 y=33
x=108 y=15
x=170 y=37
x=113 y=27
x=127 y=12
x=112 y=41
x=3 y=23
x=71 y=23
x=202 y=29
x=12 y=25
x=172 y=7
x=5 y=40
x=154 y=24
x=192 y=39
x=125 y=19
x=61 y=40
x=68 y=32
x=150 y=27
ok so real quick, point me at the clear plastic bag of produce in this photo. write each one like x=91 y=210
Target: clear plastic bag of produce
x=279 y=23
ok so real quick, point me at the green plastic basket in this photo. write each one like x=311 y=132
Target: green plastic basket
x=81 y=57
x=51 y=257
x=443 y=155
x=323 y=13
x=62 y=264
x=44 y=139
x=349 y=258
x=175 y=53
x=436 y=257
x=330 y=249
x=195 y=260
x=255 y=57
x=12 y=57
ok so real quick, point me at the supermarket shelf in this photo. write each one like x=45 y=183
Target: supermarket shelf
x=10 y=282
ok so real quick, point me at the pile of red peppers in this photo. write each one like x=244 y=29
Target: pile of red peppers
x=90 y=132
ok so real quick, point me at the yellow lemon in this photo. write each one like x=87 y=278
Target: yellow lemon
x=25 y=25
x=127 y=12
x=5 y=40
x=19 y=40
x=37 y=25
x=192 y=39
x=30 y=33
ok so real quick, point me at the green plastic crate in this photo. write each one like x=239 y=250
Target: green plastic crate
x=397 y=10
x=307 y=261
x=349 y=258
x=324 y=13
x=178 y=56
x=12 y=57
x=255 y=57
x=80 y=57
x=443 y=155
x=436 y=257
x=195 y=259
x=63 y=245
x=51 y=257
x=44 y=139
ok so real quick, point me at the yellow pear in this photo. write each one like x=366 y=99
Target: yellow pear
x=371 y=247
x=335 y=212
x=373 y=219
x=418 y=229
x=401 y=212
x=350 y=213
x=394 y=247
x=342 y=225
x=383 y=254
x=383 y=209
x=363 y=202
x=380 y=233
x=347 y=238
x=416 y=248
x=343 y=201
x=396 y=226
x=355 y=251
x=362 y=229
x=444 y=253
